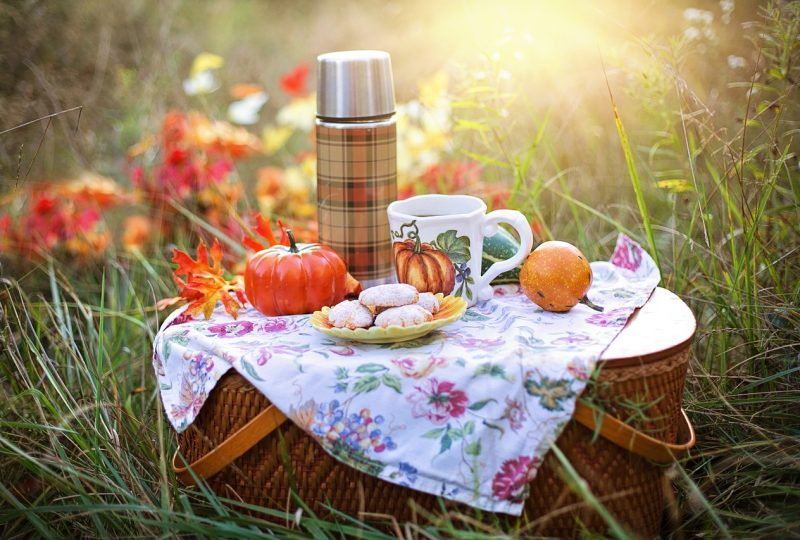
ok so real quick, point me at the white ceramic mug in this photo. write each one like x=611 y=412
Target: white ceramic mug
x=437 y=243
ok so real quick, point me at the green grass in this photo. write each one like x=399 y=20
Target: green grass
x=84 y=445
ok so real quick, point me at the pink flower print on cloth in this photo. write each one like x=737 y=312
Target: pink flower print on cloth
x=437 y=401
x=627 y=254
x=278 y=325
x=515 y=414
x=231 y=329
x=511 y=481
x=418 y=368
x=614 y=317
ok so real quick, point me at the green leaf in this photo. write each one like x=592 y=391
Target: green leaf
x=434 y=433
x=473 y=448
x=469 y=293
x=469 y=428
x=393 y=382
x=471 y=316
x=251 y=371
x=460 y=290
x=447 y=442
x=341 y=373
x=371 y=368
x=494 y=426
x=367 y=384
x=455 y=247
x=456 y=434
x=493 y=370
x=478 y=405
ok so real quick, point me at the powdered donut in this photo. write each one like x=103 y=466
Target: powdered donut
x=391 y=295
x=403 y=316
x=350 y=314
x=429 y=302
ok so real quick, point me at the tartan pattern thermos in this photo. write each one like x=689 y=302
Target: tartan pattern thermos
x=356 y=160
x=356 y=181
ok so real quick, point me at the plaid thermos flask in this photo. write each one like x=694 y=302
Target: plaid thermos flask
x=356 y=160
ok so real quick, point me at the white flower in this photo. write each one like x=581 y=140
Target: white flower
x=736 y=62
x=691 y=33
x=300 y=113
x=698 y=15
x=726 y=5
x=727 y=8
x=201 y=77
x=203 y=82
x=245 y=111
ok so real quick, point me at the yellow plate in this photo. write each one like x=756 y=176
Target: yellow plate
x=451 y=308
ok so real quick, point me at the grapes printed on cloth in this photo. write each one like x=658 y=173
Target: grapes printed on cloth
x=466 y=413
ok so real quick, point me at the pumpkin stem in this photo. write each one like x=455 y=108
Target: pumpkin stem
x=292 y=243
x=586 y=302
x=417 y=245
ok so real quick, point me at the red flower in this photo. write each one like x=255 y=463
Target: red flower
x=220 y=169
x=437 y=401
x=44 y=205
x=451 y=176
x=294 y=82
x=173 y=128
x=510 y=481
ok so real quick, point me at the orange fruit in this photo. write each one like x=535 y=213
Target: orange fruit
x=556 y=276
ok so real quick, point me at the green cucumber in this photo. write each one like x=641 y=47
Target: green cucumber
x=498 y=248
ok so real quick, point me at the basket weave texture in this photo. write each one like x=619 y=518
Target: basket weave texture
x=630 y=487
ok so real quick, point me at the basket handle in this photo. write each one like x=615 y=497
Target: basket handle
x=270 y=418
x=633 y=440
x=231 y=448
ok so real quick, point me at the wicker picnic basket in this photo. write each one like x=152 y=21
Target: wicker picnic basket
x=243 y=448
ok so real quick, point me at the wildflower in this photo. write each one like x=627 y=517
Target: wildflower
x=222 y=137
x=736 y=62
x=136 y=231
x=294 y=82
x=299 y=114
x=201 y=77
x=249 y=100
x=691 y=33
x=275 y=138
x=695 y=15
x=94 y=189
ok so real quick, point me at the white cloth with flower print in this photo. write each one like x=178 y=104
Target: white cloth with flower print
x=467 y=412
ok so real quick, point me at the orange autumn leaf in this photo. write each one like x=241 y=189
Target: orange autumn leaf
x=263 y=228
x=202 y=284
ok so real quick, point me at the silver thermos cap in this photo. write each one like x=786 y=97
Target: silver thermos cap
x=354 y=84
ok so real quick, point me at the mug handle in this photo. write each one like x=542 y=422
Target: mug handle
x=490 y=225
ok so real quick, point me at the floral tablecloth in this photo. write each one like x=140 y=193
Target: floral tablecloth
x=467 y=412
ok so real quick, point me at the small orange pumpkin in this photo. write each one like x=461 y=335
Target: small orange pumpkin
x=296 y=279
x=426 y=268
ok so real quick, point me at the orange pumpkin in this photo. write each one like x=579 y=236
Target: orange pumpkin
x=426 y=268
x=298 y=278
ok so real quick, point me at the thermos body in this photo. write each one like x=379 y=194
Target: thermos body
x=356 y=160
x=356 y=181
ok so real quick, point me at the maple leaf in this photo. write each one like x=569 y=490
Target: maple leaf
x=264 y=229
x=203 y=284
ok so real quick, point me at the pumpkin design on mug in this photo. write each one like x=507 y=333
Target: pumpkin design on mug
x=429 y=266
